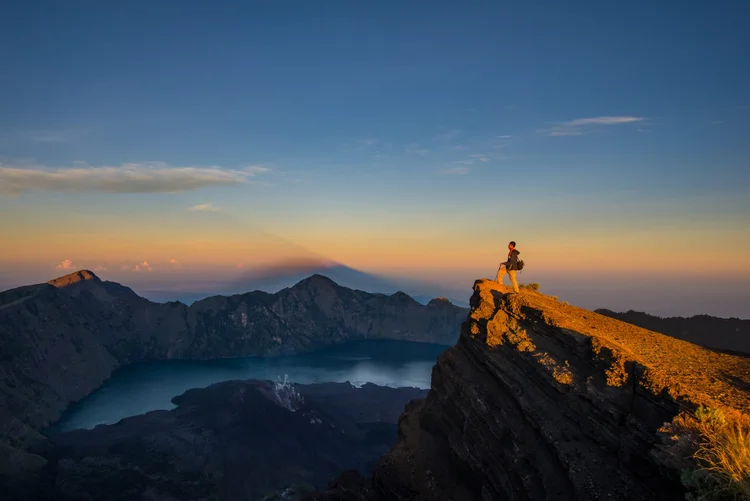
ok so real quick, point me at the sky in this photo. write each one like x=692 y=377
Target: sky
x=185 y=141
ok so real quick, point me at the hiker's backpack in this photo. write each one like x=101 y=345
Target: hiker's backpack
x=519 y=265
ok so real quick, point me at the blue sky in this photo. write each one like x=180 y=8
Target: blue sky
x=422 y=123
x=218 y=83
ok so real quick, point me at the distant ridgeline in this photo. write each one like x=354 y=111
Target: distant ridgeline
x=61 y=340
x=731 y=335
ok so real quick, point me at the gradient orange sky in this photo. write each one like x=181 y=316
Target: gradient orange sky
x=555 y=236
x=666 y=257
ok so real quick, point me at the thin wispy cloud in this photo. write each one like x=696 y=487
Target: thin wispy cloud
x=562 y=131
x=136 y=268
x=447 y=137
x=415 y=149
x=144 y=266
x=603 y=121
x=209 y=207
x=366 y=144
x=173 y=261
x=456 y=170
x=483 y=143
x=579 y=126
x=254 y=170
x=470 y=150
x=49 y=136
x=156 y=177
x=66 y=264
x=481 y=158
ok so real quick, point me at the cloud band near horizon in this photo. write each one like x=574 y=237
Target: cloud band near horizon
x=155 y=177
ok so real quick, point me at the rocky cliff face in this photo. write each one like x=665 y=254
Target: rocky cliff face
x=59 y=341
x=540 y=400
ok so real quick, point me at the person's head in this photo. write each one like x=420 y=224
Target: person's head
x=511 y=245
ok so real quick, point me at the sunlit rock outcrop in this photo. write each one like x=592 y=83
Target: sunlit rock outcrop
x=541 y=400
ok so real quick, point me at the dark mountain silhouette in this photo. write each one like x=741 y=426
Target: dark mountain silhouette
x=725 y=334
x=274 y=277
x=60 y=340
x=286 y=274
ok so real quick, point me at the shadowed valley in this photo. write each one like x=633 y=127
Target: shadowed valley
x=61 y=340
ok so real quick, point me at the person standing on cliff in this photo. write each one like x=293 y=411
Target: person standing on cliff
x=510 y=266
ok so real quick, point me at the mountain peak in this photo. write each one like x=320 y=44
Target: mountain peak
x=439 y=301
x=74 y=278
x=316 y=279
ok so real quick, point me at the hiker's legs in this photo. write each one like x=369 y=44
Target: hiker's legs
x=512 y=275
x=500 y=274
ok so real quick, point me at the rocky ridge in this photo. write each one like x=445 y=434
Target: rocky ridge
x=731 y=335
x=60 y=340
x=542 y=400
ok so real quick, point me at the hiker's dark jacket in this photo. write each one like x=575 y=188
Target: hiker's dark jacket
x=512 y=262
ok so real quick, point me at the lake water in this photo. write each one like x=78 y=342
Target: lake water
x=140 y=388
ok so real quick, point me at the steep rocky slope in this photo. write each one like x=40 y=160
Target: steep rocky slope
x=59 y=341
x=726 y=334
x=540 y=400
